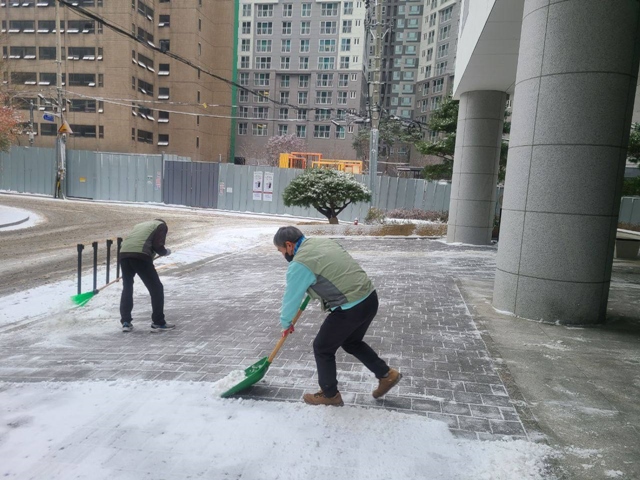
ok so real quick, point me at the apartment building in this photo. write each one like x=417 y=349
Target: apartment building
x=119 y=95
x=418 y=62
x=303 y=63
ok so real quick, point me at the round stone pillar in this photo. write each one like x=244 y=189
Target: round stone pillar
x=475 y=167
x=574 y=94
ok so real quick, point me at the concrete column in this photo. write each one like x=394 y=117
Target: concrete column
x=574 y=94
x=475 y=167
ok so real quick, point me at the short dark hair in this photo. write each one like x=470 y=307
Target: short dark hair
x=160 y=220
x=286 y=234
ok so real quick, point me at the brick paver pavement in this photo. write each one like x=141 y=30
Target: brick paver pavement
x=227 y=316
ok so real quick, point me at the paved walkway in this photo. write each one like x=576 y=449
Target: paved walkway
x=434 y=297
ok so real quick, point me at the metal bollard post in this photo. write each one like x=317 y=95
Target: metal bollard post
x=119 y=245
x=80 y=248
x=109 y=243
x=95 y=265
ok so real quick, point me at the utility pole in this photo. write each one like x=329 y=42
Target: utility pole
x=59 y=186
x=31 y=123
x=375 y=106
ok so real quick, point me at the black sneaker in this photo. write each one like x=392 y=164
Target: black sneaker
x=160 y=328
x=127 y=327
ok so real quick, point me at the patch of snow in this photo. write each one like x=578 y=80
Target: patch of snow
x=178 y=430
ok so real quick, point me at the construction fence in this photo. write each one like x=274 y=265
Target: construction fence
x=175 y=180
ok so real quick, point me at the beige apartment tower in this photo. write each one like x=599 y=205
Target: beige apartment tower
x=120 y=95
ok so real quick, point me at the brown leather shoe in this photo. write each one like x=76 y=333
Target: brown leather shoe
x=320 y=399
x=387 y=383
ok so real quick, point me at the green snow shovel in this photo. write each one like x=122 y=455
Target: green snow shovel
x=255 y=372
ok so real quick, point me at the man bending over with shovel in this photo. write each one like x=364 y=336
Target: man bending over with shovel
x=324 y=270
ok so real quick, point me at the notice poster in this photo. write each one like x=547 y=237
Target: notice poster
x=268 y=187
x=257 y=185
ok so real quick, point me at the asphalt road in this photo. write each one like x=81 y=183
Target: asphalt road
x=47 y=252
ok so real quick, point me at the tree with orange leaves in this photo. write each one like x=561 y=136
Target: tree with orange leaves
x=9 y=124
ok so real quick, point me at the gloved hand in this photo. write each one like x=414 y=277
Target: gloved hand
x=168 y=252
x=288 y=331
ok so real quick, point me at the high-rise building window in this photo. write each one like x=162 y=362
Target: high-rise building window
x=324 y=80
x=326 y=63
x=163 y=139
x=329 y=9
x=264 y=10
x=346 y=26
x=261 y=79
x=287 y=9
x=259 y=129
x=324 y=97
x=304 y=45
x=286 y=28
x=242 y=128
x=306 y=10
x=263 y=46
x=445 y=32
x=305 y=28
x=301 y=131
x=246 y=27
x=261 y=97
x=327 y=45
x=264 y=28
x=321 y=131
x=347 y=8
x=303 y=81
x=322 y=114
x=283 y=129
x=246 y=10
x=445 y=15
x=285 y=45
x=328 y=28
x=261 y=112
x=443 y=50
x=263 y=63
x=303 y=98
x=284 y=81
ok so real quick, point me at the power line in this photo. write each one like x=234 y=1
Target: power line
x=150 y=45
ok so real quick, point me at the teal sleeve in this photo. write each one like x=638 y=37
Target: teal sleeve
x=299 y=279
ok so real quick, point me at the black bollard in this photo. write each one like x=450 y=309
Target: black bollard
x=95 y=265
x=80 y=248
x=119 y=245
x=109 y=243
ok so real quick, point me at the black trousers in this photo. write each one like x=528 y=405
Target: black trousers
x=346 y=329
x=147 y=273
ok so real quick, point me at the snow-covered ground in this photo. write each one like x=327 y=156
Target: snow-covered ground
x=178 y=430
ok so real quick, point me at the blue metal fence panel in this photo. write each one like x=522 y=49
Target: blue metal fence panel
x=28 y=170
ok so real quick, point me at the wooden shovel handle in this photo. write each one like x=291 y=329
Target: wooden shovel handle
x=282 y=339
